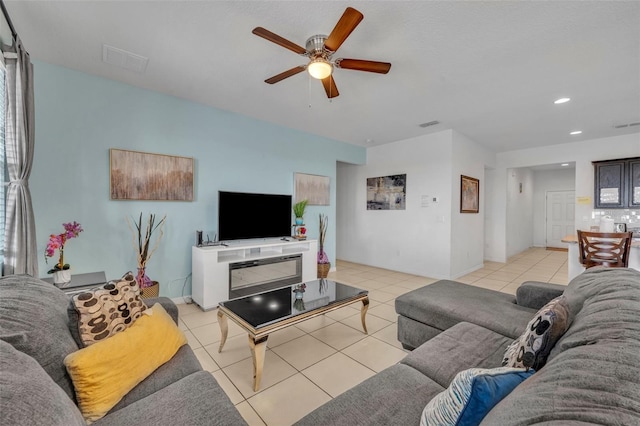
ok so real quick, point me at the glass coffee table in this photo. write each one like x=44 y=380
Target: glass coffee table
x=264 y=313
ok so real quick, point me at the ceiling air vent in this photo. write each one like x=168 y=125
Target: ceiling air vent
x=124 y=59
x=430 y=123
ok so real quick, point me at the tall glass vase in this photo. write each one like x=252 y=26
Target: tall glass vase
x=142 y=279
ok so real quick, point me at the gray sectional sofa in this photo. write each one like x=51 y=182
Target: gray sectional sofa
x=35 y=388
x=592 y=374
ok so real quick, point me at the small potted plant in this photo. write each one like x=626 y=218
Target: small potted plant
x=323 y=260
x=298 y=211
x=61 y=271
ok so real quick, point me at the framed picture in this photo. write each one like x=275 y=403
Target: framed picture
x=387 y=192
x=137 y=175
x=469 y=194
x=313 y=188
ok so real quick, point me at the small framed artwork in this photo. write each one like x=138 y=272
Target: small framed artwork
x=387 y=192
x=313 y=188
x=469 y=194
x=137 y=175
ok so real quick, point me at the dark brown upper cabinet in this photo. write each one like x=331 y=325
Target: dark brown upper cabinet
x=617 y=183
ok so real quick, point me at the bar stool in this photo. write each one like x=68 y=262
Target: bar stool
x=610 y=249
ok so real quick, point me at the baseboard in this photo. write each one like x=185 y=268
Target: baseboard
x=184 y=300
x=557 y=249
x=468 y=271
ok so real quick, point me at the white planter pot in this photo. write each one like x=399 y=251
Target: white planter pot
x=62 y=277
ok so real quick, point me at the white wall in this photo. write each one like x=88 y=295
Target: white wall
x=416 y=240
x=543 y=182
x=467 y=229
x=582 y=153
x=433 y=240
x=490 y=231
x=519 y=210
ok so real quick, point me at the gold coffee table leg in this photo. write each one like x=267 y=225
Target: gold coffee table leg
x=258 y=349
x=363 y=312
x=224 y=329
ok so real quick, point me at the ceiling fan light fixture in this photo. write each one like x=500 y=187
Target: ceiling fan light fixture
x=320 y=68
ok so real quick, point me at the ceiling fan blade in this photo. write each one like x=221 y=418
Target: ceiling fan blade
x=362 y=65
x=330 y=87
x=347 y=23
x=286 y=74
x=275 y=38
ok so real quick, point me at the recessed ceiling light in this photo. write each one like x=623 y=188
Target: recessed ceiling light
x=576 y=132
x=564 y=164
x=561 y=100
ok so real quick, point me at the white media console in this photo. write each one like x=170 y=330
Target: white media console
x=210 y=265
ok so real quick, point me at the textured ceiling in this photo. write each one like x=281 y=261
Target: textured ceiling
x=489 y=70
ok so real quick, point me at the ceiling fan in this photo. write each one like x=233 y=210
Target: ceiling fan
x=320 y=50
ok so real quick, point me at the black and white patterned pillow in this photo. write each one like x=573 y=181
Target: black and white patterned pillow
x=531 y=349
x=104 y=311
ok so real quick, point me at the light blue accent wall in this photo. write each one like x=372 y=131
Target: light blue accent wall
x=79 y=117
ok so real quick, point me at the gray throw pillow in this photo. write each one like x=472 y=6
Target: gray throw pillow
x=33 y=319
x=28 y=396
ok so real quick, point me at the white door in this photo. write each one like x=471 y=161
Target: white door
x=560 y=217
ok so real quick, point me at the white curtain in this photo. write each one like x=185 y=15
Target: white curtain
x=21 y=254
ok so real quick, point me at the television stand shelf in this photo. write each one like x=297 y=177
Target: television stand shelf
x=210 y=265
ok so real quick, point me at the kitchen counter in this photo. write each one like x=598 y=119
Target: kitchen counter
x=576 y=268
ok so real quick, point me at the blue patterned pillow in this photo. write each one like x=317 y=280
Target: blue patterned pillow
x=471 y=395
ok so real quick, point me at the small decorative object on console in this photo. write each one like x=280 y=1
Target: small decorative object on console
x=323 y=260
x=298 y=211
x=60 y=271
x=142 y=243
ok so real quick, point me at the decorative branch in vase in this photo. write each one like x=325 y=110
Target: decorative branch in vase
x=323 y=260
x=142 y=244
x=60 y=270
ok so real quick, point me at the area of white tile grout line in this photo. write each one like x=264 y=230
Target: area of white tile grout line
x=296 y=356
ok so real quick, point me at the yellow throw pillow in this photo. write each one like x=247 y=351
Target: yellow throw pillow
x=107 y=370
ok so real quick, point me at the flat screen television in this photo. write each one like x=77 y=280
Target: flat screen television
x=243 y=215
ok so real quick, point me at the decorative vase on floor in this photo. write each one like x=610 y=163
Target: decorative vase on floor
x=151 y=291
x=62 y=277
x=142 y=279
x=323 y=269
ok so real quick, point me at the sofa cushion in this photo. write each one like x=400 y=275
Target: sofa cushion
x=536 y=294
x=445 y=303
x=395 y=396
x=471 y=395
x=33 y=319
x=543 y=331
x=183 y=363
x=591 y=297
x=196 y=400
x=593 y=373
x=412 y=333
x=106 y=310
x=107 y=370
x=461 y=347
x=28 y=395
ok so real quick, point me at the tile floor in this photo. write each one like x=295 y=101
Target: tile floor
x=323 y=357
